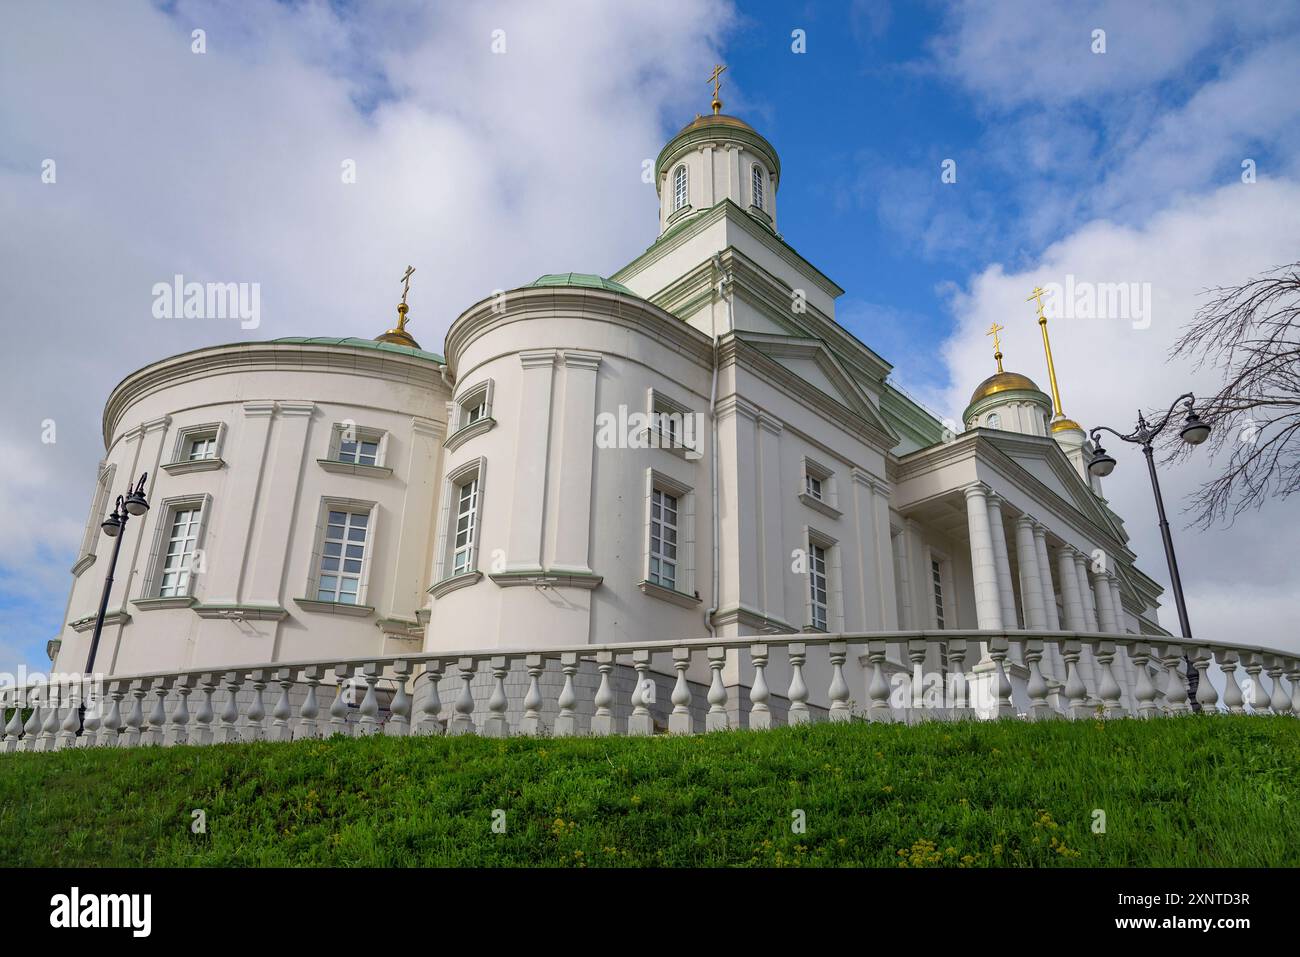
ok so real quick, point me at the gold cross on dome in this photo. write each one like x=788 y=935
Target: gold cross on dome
x=716 y=79
x=406 y=282
x=997 y=343
x=1037 y=296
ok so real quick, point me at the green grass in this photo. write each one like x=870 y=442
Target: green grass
x=1193 y=791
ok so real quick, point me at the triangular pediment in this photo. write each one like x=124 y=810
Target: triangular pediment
x=812 y=362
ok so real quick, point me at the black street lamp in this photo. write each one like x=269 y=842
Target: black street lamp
x=134 y=503
x=1194 y=431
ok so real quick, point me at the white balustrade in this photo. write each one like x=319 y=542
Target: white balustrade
x=44 y=717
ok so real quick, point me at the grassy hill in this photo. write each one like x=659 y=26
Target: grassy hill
x=1195 y=791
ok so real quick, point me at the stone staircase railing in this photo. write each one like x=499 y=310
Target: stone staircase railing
x=614 y=689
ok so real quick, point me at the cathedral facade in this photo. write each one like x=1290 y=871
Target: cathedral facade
x=692 y=447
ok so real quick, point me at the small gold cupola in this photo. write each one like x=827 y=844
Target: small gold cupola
x=399 y=336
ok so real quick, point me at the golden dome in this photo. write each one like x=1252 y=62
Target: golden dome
x=717 y=119
x=1002 y=382
x=1065 y=425
x=399 y=336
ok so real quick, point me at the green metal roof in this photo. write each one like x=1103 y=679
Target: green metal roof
x=587 y=280
x=361 y=344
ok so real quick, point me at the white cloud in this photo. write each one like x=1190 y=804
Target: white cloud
x=226 y=166
x=1241 y=582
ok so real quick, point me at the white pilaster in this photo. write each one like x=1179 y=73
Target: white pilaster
x=531 y=447
x=573 y=492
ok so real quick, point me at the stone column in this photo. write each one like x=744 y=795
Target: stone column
x=1031 y=582
x=984 y=574
x=1117 y=601
x=1105 y=603
x=1006 y=596
x=1085 y=592
x=909 y=621
x=1050 y=614
x=1072 y=602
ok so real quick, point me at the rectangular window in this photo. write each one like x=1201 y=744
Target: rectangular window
x=813 y=486
x=202 y=447
x=462 y=559
x=342 y=553
x=475 y=412
x=663 y=539
x=817 y=585
x=936 y=573
x=178 y=563
x=356 y=450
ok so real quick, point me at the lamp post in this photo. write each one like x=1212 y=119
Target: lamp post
x=1194 y=432
x=134 y=503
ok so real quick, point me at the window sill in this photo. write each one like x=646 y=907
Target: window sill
x=153 y=604
x=677 y=214
x=544 y=578
x=761 y=215
x=354 y=468
x=193 y=465
x=668 y=594
x=242 y=612
x=112 y=619
x=818 y=505
x=84 y=562
x=467 y=432
x=335 y=607
x=447 y=585
x=658 y=439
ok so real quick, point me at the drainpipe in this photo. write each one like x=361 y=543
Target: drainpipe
x=713 y=422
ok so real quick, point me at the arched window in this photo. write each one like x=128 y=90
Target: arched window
x=679 y=188
x=757 y=182
x=994 y=421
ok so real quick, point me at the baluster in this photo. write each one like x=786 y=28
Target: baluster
x=1232 y=697
x=1036 y=687
x=531 y=723
x=203 y=717
x=839 y=689
x=1280 y=702
x=14 y=729
x=339 y=706
x=93 y=696
x=717 y=719
x=566 y=722
x=1206 y=696
x=760 y=715
x=463 y=722
x=1076 y=693
x=67 y=736
x=50 y=726
x=878 y=688
x=1001 y=683
x=602 y=722
x=1145 y=693
x=429 y=720
x=496 y=725
x=369 y=723
x=399 y=724
x=309 y=710
x=916 y=651
x=229 y=731
x=1258 y=700
x=1175 y=688
x=283 y=710
x=798 y=690
x=255 y=718
x=153 y=734
x=179 y=732
x=681 y=721
x=35 y=720
x=1293 y=676
x=959 y=692
x=111 y=728
x=1109 y=689
x=640 y=722
x=135 y=718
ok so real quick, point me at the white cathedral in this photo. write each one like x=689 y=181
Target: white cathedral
x=692 y=448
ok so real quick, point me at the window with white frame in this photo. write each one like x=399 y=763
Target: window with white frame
x=470 y=414
x=936 y=575
x=813 y=486
x=357 y=448
x=994 y=421
x=818 y=585
x=183 y=524
x=679 y=188
x=462 y=554
x=663 y=538
x=758 y=180
x=673 y=425
x=197 y=444
x=343 y=554
x=819 y=488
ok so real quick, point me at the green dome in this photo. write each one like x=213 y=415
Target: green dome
x=360 y=344
x=584 y=279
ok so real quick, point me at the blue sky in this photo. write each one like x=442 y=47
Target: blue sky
x=486 y=170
